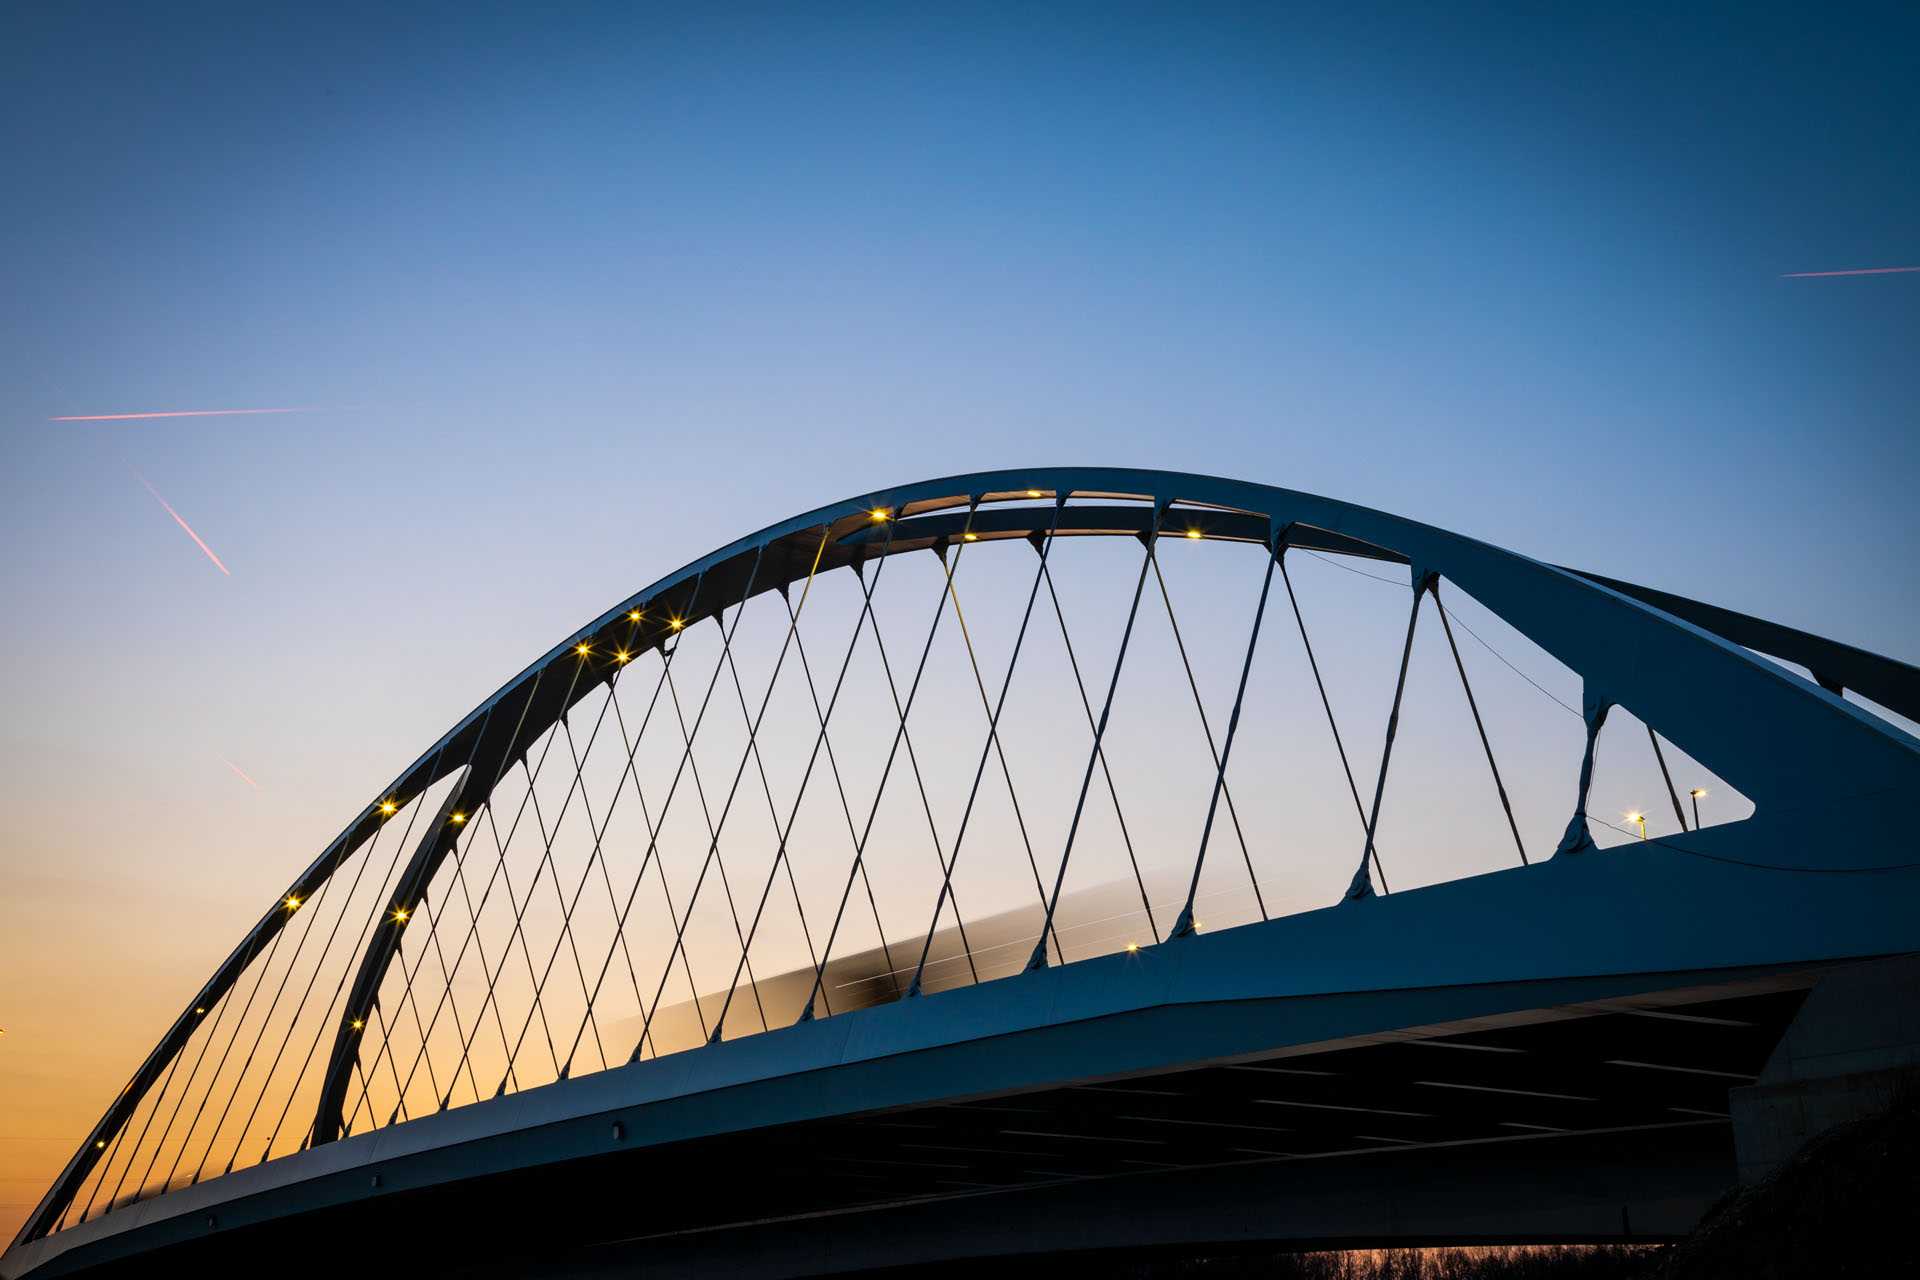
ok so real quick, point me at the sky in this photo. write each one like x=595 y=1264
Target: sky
x=570 y=295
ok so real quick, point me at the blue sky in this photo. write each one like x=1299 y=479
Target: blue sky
x=589 y=290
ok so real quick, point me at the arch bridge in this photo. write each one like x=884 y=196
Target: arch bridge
x=1032 y=863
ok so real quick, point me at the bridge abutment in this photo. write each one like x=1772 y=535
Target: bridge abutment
x=1854 y=1045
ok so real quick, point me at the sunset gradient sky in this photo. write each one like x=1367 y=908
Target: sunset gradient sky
x=573 y=294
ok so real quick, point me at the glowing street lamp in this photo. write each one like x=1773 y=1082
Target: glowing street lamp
x=1697 y=793
x=1640 y=818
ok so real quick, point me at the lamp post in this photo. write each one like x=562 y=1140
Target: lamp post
x=1697 y=793
x=1640 y=818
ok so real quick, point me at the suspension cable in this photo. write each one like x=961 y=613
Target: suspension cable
x=860 y=847
x=1207 y=729
x=986 y=749
x=1479 y=725
x=1184 y=925
x=1672 y=795
x=1106 y=771
x=1362 y=887
x=1038 y=960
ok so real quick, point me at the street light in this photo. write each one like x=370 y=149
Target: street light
x=1697 y=793
x=1640 y=818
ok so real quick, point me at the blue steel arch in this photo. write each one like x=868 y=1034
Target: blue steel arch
x=1684 y=667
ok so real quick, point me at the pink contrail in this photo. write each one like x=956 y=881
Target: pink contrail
x=1863 y=271
x=236 y=768
x=177 y=520
x=178 y=413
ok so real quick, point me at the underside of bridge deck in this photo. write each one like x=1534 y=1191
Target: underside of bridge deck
x=1548 y=1125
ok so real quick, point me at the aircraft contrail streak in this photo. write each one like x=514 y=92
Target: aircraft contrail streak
x=1863 y=271
x=177 y=520
x=242 y=772
x=178 y=413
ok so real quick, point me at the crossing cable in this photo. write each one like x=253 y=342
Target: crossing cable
x=1038 y=960
x=1671 y=793
x=1479 y=725
x=1219 y=761
x=766 y=787
x=1126 y=837
x=472 y=936
x=498 y=875
x=1184 y=925
x=713 y=851
x=653 y=834
x=950 y=566
x=306 y=994
x=1332 y=724
x=400 y=1097
x=713 y=835
x=713 y=848
x=517 y=931
x=503 y=876
x=370 y=1070
x=434 y=921
x=826 y=743
x=560 y=899
x=773 y=817
x=482 y=800
x=673 y=914
x=405 y=999
x=606 y=876
x=1362 y=886
x=780 y=853
x=596 y=854
x=619 y=942
x=192 y=1075
x=726 y=639
x=411 y=1002
x=417 y=804
x=99 y=1176
x=860 y=847
x=379 y=1013
x=999 y=747
x=320 y=1030
x=293 y=1022
x=569 y=905
x=986 y=751
x=346 y=1127
x=653 y=839
x=833 y=762
x=186 y=1139
x=133 y=1152
x=913 y=759
x=346 y=970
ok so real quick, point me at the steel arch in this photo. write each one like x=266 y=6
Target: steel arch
x=1684 y=667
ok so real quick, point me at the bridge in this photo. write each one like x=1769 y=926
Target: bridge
x=1036 y=863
